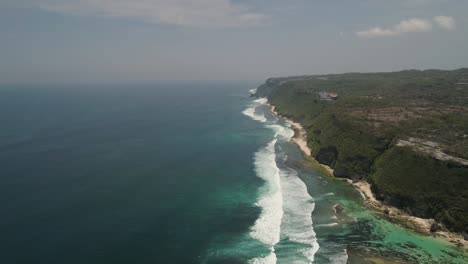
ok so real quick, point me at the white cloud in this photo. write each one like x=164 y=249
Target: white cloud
x=414 y=25
x=405 y=26
x=376 y=32
x=445 y=22
x=199 y=13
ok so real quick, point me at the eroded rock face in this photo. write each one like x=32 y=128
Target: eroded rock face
x=327 y=155
x=390 y=199
x=341 y=173
x=435 y=227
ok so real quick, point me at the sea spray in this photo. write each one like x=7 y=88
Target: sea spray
x=286 y=205
x=266 y=260
x=281 y=132
x=297 y=225
x=261 y=101
x=267 y=227
x=252 y=113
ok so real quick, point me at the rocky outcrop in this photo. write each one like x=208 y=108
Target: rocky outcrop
x=340 y=172
x=390 y=199
x=327 y=155
x=435 y=227
x=339 y=209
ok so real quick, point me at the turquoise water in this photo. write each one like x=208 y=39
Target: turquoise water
x=175 y=172
x=356 y=235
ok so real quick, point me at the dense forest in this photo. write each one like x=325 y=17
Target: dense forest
x=404 y=132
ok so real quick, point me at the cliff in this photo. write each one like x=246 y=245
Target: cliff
x=404 y=132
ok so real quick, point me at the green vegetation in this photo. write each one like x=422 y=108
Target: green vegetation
x=357 y=134
x=423 y=186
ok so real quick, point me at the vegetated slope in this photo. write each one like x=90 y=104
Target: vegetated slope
x=404 y=132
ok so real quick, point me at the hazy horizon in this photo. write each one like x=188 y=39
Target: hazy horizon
x=105 y=40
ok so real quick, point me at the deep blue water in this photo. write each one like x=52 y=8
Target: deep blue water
x=175 y=172
x=124 y=174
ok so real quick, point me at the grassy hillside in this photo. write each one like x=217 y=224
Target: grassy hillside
x=359 y=124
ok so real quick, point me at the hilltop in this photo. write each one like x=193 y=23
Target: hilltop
x=406 y=133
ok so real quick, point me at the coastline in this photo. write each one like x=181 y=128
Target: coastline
x=417 y=224
x=420 y=225
x=300 y=139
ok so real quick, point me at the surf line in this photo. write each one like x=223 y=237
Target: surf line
x=267 y=228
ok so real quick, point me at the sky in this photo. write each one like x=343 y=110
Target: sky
x=127 y=40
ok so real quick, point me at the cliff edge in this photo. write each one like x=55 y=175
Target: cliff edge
x=406 y=133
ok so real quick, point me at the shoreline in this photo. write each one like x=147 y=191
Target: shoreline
x=300 y=139
x=420 y=225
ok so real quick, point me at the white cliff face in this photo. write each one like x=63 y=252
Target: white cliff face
x=430 y=148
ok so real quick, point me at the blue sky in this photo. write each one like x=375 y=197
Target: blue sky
x=70 y=40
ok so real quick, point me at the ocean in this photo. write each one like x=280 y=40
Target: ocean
x=176 y=172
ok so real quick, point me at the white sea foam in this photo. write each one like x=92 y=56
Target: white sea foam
x=281 y=132
x=267 y=227
x=286 y=205
x=298 y=206
x=250 y=112
x=327 y=225
x=362 y=195
x=341 y=258
x=270 y=259
x=261 y=101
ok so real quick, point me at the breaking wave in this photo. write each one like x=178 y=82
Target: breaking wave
x=267 y=227
x=285 y=203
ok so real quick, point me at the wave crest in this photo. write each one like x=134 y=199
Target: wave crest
x=267 y=227
x=286 y=205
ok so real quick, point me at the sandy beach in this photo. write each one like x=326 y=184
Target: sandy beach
x=300 y=139
x=420 y=225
